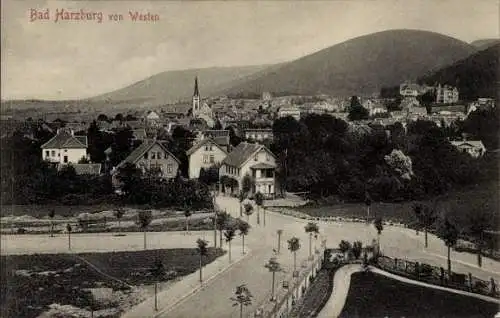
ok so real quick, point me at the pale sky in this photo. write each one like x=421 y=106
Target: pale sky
x=77 y=59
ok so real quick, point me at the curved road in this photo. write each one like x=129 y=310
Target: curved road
x=214 y=301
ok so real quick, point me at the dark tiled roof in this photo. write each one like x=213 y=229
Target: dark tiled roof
x=452 y=108
x=66 y=140
x=263 y=165
x=222 y=141
x=138 y=152
x=241 y=153
x=201 y=144
x=139 y=133
x=216 y=133
x=84 y=168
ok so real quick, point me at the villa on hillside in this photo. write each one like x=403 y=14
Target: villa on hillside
x=409 y=89
x=289 y=111
x=65 y=147
x=446 y=94
x=474 y=148
x=254 y=161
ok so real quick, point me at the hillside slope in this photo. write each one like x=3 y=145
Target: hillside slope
x=362 y=65
x=173 y=86
x=475 y=76
x=484 y=43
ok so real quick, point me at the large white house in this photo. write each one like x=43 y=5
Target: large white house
x=289 y=111
x=254 y=160
x=65 y=148
x=205 y=154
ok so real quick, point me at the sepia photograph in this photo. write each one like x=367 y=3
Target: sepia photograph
x=250 y=159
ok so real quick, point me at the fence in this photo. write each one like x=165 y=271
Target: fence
x=438 y=276
x=292 y=298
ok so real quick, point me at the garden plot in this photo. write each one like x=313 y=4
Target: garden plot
x=64 y=285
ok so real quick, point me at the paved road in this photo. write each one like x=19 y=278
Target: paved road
x=214 y=301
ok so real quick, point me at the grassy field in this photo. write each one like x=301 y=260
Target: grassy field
x=40 y=211
x=372 y=295
x=457 y=203
x=30 y=283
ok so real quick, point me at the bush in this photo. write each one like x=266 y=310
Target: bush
x=21 y=230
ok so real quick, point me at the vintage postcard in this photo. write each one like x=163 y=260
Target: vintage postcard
x=250 y=159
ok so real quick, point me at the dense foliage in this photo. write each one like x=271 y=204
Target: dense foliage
x=159 y=192
x=323 y=155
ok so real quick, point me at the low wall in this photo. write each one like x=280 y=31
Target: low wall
x=290 y=298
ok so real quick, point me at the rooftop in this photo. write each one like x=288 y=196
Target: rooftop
x=241 y=153
x=64 y=139
x=138 y=152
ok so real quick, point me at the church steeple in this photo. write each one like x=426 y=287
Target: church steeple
x=196 y=98
x=196 y=92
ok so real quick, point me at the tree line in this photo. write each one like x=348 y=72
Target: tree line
x=327 y=157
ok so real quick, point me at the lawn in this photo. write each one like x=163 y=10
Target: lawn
x=40 y=211
x=373 y=295
x=457 y=203
x=30 y=283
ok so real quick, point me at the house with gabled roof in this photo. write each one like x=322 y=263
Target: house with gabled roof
x=254 y=160
x=205 y=154
x=151 y=156
x=475 y=148
x=65 y=147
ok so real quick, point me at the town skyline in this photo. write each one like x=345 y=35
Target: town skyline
x=80 y=59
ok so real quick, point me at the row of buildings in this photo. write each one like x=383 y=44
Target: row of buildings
x=211 y=151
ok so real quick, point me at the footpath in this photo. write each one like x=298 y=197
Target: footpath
x=189 y=285
x=342 y=282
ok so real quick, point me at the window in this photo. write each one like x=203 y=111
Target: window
x=206 y=148
x=267 y=157
x=205 y=158
x=47 y=153
x=153 y=155
x=165 y=155
x=212 y=159
x=53 y=153
x=65 y=150
x=146 y=155
x=169 y=168
x=256 y=158
x=65 y=159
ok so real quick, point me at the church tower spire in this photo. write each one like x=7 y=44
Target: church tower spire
x=196 y=91
x=196 y=98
